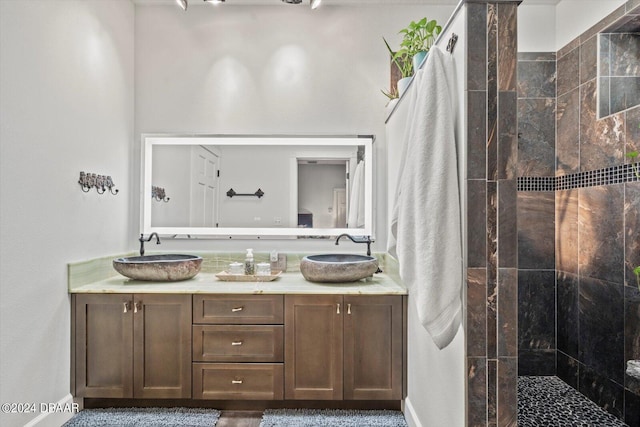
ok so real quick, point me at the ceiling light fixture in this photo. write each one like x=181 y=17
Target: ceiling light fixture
x=292 y=1
x=315 y=4
x=214 y=1
x=182 y=3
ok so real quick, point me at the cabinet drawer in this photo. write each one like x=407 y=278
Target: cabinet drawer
x=227 y=381
x=237 y=343
x=238 y=309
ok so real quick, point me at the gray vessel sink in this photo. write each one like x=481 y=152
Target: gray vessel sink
x=337 y=268
x=159 y=268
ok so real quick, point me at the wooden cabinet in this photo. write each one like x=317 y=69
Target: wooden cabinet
x=132 y=345
x=238 y=347
x=343 y=347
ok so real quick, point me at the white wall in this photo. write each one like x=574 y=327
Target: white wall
x=536 y=28
x=436 y=378
x=66 y=84
x=277 y=69
x=573 y=17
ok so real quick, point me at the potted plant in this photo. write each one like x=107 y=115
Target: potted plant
x=402 y=61
x=418 y=39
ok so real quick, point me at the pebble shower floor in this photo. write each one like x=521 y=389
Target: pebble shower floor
x=549 y=401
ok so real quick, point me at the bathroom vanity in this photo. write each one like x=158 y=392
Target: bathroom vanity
x=206 y=339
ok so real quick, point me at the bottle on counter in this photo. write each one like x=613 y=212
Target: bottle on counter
x=249 y=263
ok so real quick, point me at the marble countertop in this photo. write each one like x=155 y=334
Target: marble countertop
x=208 y=283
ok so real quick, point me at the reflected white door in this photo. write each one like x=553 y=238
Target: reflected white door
x=204 y=187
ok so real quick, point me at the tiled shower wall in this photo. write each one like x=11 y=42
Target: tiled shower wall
x=492 y=275
x=590 y=313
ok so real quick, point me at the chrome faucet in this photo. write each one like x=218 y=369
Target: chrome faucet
x=142 y=240
x=359 y=239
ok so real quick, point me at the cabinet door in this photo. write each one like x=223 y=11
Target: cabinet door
x=313 y=347
x=162 y=346
x=373 y=347
x=103 y=342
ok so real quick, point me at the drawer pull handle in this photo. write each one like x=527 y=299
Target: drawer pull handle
x=348 y=308
x=137 y=306
x=126 y=307
x=235 y=309
x=236 y=381
x=236 y=342
x=338 y=309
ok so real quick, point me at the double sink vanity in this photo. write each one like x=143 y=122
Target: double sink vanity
x=312 y=334
x=207 y=339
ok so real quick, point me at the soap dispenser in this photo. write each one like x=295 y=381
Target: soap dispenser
x=249 y=263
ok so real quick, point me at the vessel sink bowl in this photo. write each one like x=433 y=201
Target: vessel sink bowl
x=159 y=268
x=337 y=268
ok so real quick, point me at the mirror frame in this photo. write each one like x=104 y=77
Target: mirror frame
x=150 y=140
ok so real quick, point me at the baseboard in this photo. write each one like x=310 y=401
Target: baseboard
x=410 y=414
x=54 y=415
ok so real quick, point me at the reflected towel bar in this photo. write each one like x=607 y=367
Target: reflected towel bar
x=259 y=193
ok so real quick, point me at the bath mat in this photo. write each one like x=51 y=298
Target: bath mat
x=331 y=417
x=144 y=417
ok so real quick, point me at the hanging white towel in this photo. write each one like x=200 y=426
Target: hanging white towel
x=426 y=233
x=356 y=198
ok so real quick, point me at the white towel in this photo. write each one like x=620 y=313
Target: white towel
x=426 y=233
x=356 y=198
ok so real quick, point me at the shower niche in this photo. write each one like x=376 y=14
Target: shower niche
x=619 y=66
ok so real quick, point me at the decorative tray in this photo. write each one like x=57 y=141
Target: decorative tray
x=226 y=277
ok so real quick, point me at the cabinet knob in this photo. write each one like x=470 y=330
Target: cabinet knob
x=235 y=309
x=236 y=381
x=126 y=306
x=137 y=306
x=338 y=309
x=236 y=342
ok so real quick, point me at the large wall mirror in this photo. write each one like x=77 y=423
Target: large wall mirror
x=278 y=186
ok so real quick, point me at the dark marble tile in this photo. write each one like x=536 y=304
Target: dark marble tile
x=507 y=46
x=589 y=59
x=632 y=233
x=568 y=133
x=632 y=133
x=603 y=57
x=631 y=409
x=536 y=310
x=536 y=137
x=492 y=268
x=627 y=24
x=507 y=135
x=568 y=72
x=623 y=54
x=601 y=141
x=624 y=92
x=492 y=392
x=568 y=369
x=604 y=96
x=477 y=135
x=477 y=46
x=507 y=224
x=536 y=230
x=601 y=345
x=477 y=223
x=603 y=392
x=567 y=231
x=476 y=392
x=633 y=6
x=537 y=56
x=476 y=312
x=566 y=49
x=536 y=362
x=508 y=391
x=492 y=92
x=631 y=333
x=536 y=79
x=507 y=312
x=601 y=232
x=568 y=313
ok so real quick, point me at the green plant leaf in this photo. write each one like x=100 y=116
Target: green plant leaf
x=632 y=154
